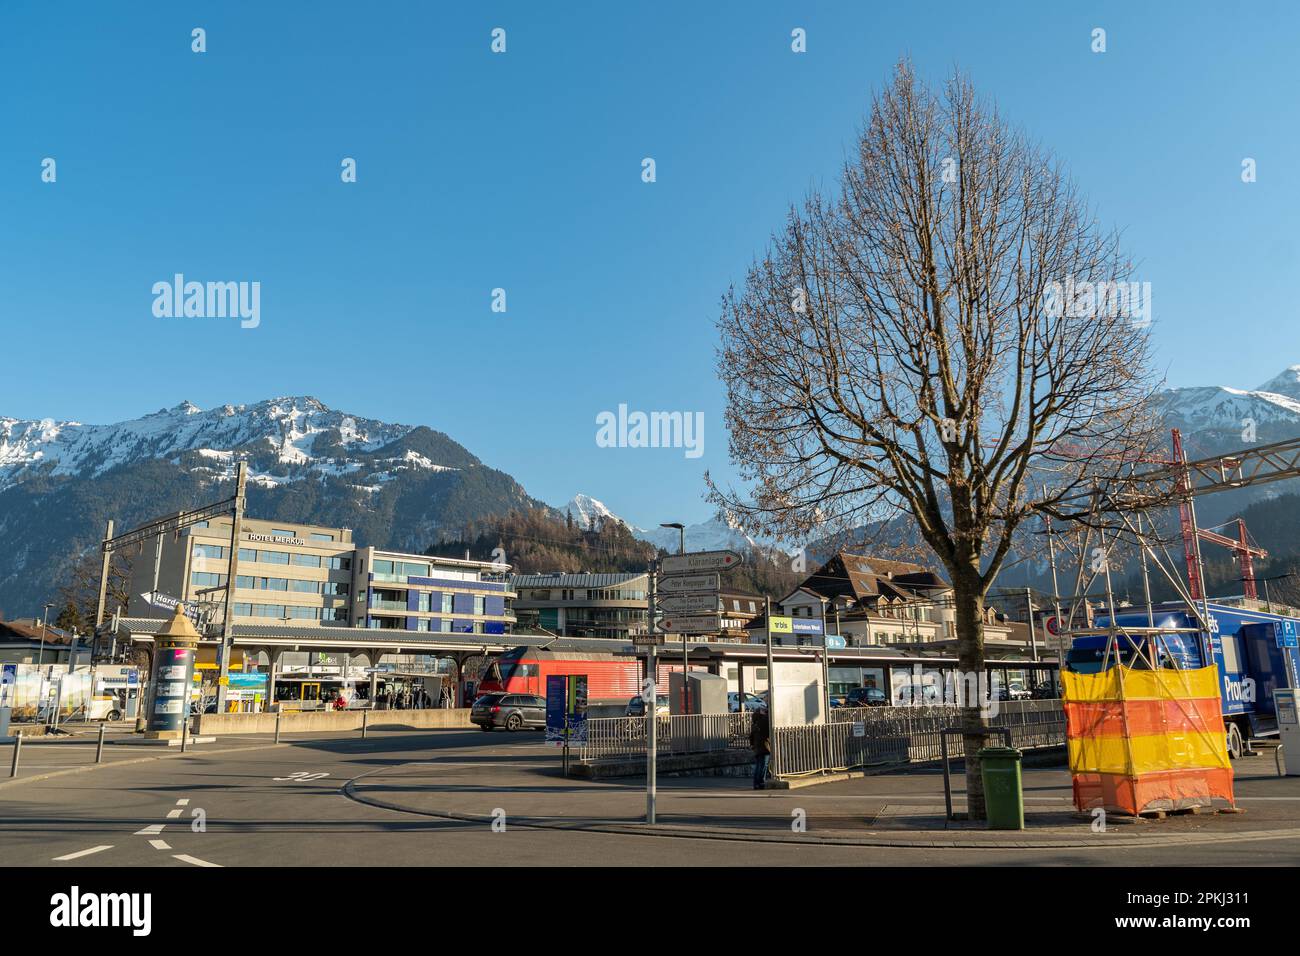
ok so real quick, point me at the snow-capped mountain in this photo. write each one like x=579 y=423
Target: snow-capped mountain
x=396 y=486
x=1273 y=409
x=284 y=438
x=714 y=535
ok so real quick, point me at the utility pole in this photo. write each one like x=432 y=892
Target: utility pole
x=652 y=705
x=45 y=626
x=771 y=681
x=106 y=560
x=681 y=549
x=228 y=624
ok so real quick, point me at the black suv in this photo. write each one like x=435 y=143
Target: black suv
x=866 y=697
x=511 y=711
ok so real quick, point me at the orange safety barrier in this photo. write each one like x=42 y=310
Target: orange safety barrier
x=1146 y=740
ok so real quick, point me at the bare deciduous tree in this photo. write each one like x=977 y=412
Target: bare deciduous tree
x=905 y=348
x=79 y=595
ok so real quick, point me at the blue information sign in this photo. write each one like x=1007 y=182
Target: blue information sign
x=1286 y=633
x=566 y=708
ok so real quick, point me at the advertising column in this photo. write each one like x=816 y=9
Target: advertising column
x=173 y=675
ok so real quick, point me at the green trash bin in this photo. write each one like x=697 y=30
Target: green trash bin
x=1003 y=798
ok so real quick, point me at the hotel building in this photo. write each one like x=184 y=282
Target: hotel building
x=298 y=574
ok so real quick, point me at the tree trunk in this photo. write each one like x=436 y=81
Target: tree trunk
x=969 y=607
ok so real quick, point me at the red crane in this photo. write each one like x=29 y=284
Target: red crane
x=1192 y=535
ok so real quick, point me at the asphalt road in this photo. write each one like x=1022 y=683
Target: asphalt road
x=274 y=806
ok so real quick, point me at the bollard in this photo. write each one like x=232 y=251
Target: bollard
x=185 y=733
x=365 y=723
x=277 y=726
x=99 y=748
x=18 y=746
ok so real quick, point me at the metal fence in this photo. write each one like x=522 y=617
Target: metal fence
x=861 y=737
x=694 y=733
x=855 y=737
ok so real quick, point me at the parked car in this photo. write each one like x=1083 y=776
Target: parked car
x=636 y=706
x=919 y=695
x=750 y=702
x=1045 y=691
x=511 y=711
x=867 y=697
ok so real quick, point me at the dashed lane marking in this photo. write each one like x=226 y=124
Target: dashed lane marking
x=152 y=830
x=159 y=844
x=81 y=853
x=173 y=814
x=186 y=858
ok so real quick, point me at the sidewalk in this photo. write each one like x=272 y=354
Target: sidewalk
x=904 y=809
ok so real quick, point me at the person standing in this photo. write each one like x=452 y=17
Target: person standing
x=759 y=741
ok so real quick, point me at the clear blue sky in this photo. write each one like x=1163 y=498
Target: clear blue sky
x=522 y=171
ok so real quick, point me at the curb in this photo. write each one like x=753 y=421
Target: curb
x=13 y=782
x=349 y=790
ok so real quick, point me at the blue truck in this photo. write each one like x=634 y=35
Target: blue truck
x=1255 y=652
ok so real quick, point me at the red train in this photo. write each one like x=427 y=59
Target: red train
x=610 y=678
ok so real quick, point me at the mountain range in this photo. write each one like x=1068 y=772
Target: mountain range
x=402 y=487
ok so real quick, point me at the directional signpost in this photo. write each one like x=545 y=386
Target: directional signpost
x=690 y=584
x=685 y=588
x=699 y=561
x=689 y=603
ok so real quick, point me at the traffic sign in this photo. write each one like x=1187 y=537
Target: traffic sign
x=699 y=561
x=690 y=623
x=688 y=583
x=688 y=603
x=835 y=642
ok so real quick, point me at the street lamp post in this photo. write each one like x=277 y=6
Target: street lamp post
x=45 y=623
x=681 y=549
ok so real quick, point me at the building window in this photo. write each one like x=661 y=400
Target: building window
x=338 y=588
x=478 y=604
x=339 y=564
x=318 y=536
x=282 y=533
x=206 y=579
x=446 y=604
x=305 y=587
x=214 y=551
x=307 y=560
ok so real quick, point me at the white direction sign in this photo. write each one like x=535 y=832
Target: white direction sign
x=689 y=583
x=687 y=603
x=690 y=623
x=699 y=561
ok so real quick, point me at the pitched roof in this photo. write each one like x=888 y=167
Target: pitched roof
x=865 y=579
x=16 y=631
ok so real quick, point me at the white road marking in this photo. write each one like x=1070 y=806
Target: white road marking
x=183 y=803
x=152 y=830
x=173 y=814
x=93 y=849
x=186 y=858
x=159 y=844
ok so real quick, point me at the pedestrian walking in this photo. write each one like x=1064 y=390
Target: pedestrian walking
x=759 y=741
